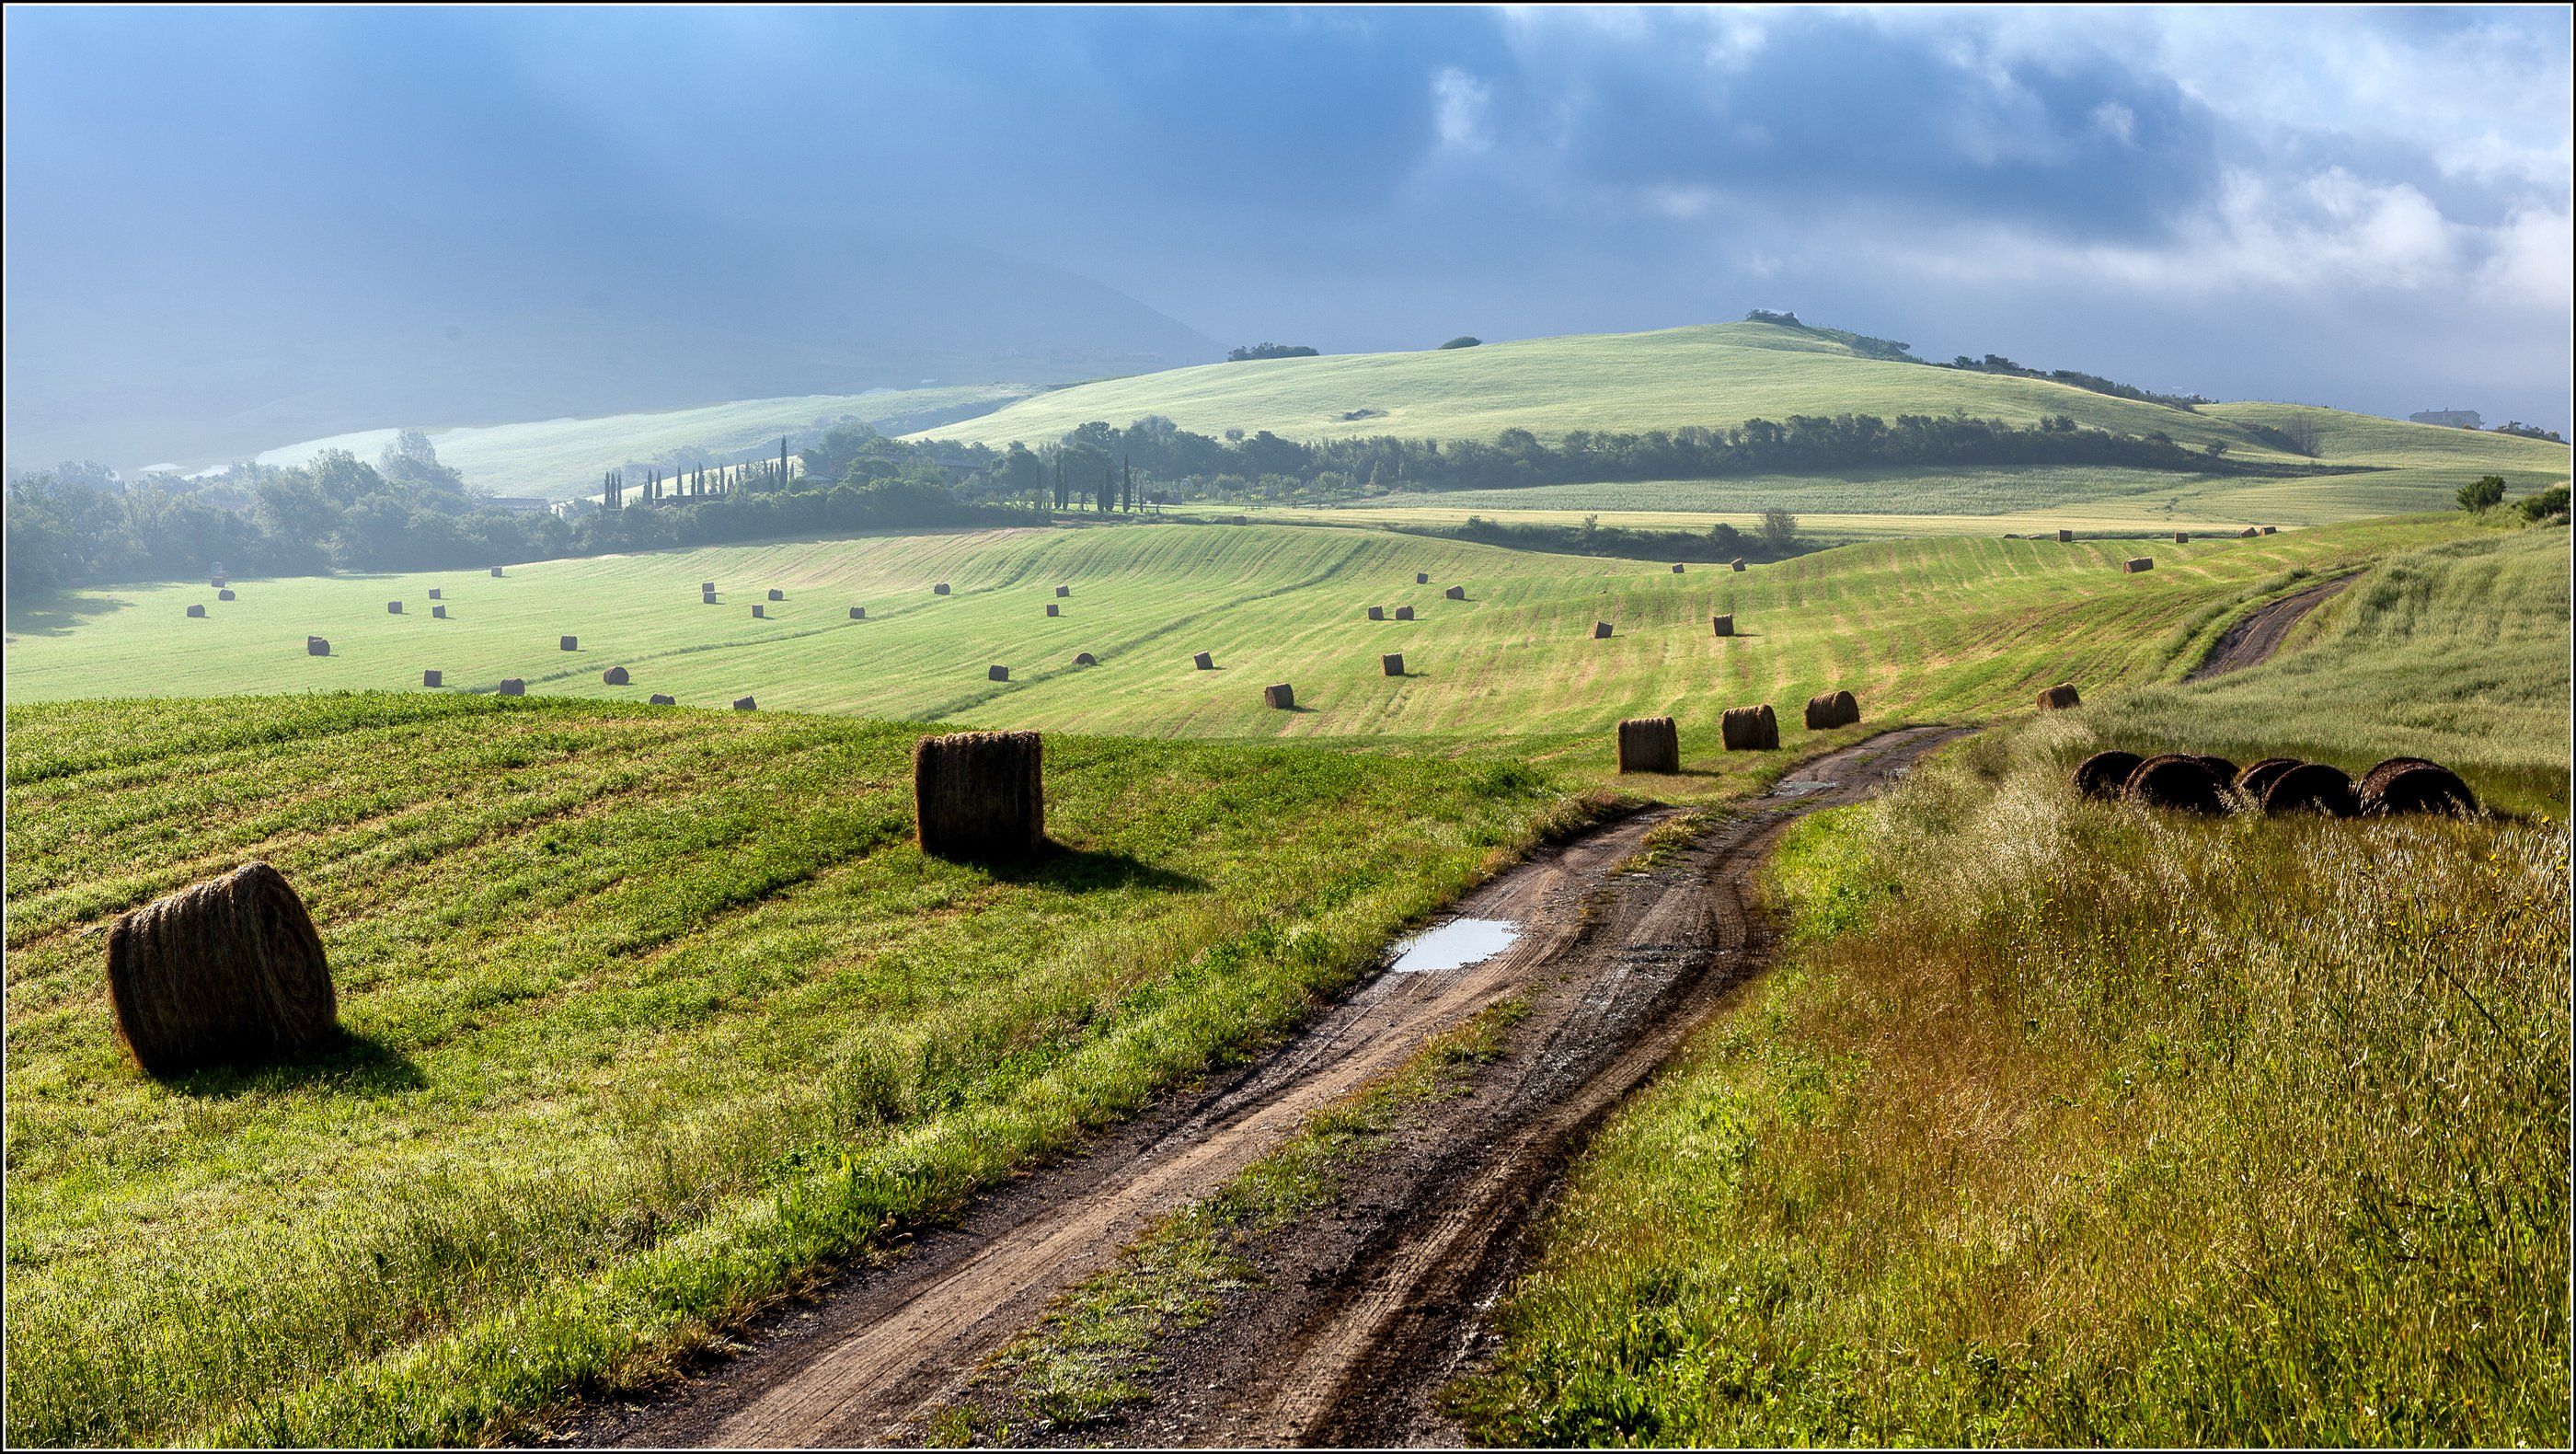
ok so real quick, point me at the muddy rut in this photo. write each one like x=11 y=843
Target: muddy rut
x=2260 y=632
x=1362 y=1316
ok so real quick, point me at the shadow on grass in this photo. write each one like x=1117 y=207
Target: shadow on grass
x=1085 y=871
x=60 y=615
x=357 y=1065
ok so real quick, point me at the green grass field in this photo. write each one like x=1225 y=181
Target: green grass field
x=1917 y=628
x=2071 y=1124
x=557 y=459
x=652 y=1011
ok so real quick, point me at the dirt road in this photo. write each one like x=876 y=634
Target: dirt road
x=1363 y=1317
x=2252 y=640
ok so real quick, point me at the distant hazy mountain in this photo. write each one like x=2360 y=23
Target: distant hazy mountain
x=228 y=350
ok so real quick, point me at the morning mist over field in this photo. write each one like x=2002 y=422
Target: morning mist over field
x=258 y=227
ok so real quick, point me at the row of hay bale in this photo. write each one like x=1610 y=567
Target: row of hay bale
x=2181 y=537
x=1653 y=744
x=2198 y=783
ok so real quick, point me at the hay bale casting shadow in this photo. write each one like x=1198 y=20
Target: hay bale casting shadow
x=513 y=687
x=438 y=613
x=1051 y=608
x=615 y=676
x=2066 y=537
x=2060 y=697
x=1749 y=729
x=978 y=794
x=436 y=595
x=1203 y=662
x=1377 y=613
x=2252 y=779
x=1455 y=593
x=662 y=699
x=1084 y=658
x=1736 y=564
x=858 y=613
x=1063 y=591
x=1392 y=663
x=1832 y=709
x=1677 y=570
x=940 y=589
x=2423 y=788
x=568 y=643
x=2174 y=780
x=2134 y=567
x=776 y=594
x=433 y=678
x=224 y=972
x=1422 y=578
x=393 y=608
x=759 y=612
x=1280 y=696
x=496 y=572
x=746 y=704
x=1404 y=613
x=2384 y=769
x=1723 y=625
x=997 y=673
x=2271 y=529
x=2102 y=776
x=316 y=646
x=1650 y=744
x=223 y=595
x=2310 y=787
x=1600 y=630
x=196 y=613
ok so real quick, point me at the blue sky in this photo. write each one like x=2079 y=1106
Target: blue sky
x=2367 y=208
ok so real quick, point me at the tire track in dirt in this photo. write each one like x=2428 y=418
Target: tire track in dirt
x=1618 y=968
x=2260 y=632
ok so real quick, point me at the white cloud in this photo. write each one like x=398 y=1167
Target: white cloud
x=1461 y=100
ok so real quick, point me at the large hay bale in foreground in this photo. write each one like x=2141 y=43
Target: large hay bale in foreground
x=1377 y=613
x=1392 y=663
x=2387 y=767
x=1650 y=744
x=2176 y=780
x=776 y=594
x=197 y=612
x=1723 y=625
x=433 y=678
x=1455 y=593
x=316 y=646
x=1279 y=696
x=224 y=972
x=2253 y=778
x=2219 y=768
x=1600 y=630
x=223 y=595
x=1404 y=613
x=1832 y=709
x=438 y=613
x=979 y=793
x=1203 y=662
x=615 y=676
x=662 y=699
x=2060 y=697
x=2102 y=776
x=746 y=704
x=513 y=687
x=1749 y=729
x=2310 y=787
x=997 y=673
x=2138 y=566
x=568 y=643
x=1084 y=658
x=2423 y=788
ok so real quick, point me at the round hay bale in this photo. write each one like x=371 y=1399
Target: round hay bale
x=1392 y=663
x=2310 y=787
x=2060 y=697
x=196 y=612
x=1203 y=662
x=615 y=676
x=708 y=599
x=979 y=793
x=2182 y=537
x=436 y=595
x=759 y=612
x=316 y=646
x=1455 y=593
x=940 y=589
x=1820 y=711
x=662 y=699
x=776 y=594
x=569 y=643
x=1404 y=613
x=2174 y=780
x=1650 y=744
x=513 y=687
x=1846 y=708
x=2219 y=768
x=2066 y=537
x=438 y=613
x=2137 y=566
x=393 y=608
x=432 y=678
x=2102 y=776
x=2384 y=769
x=1677 y=570
x=2271 y=529
x=858 y=613
x=1279 y=696
x=997 y=673
x=2248 y=533
x=1600 y=630
x=216 y=581
x=1063 y=591
x=746 y=704
x=1422 y=578
x=224 y=972
x=1377 y=613
x=1051 y=608
x=1084 y=658
x=223 y=595
x=1736 y=564
x=1723 y=625
x=1748 y=729
x=2254 y=778
x=496 y=572
x=706 y=588
x=2425 y=788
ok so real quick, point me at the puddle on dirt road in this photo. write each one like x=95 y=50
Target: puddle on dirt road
x=1797 y=787
x=1455 y=945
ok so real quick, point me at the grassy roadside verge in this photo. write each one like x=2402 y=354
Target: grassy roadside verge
x=652 y=1016
x=2065 y=1123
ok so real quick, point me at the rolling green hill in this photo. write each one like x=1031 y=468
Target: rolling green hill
x=1929 y=626
x=559 y=458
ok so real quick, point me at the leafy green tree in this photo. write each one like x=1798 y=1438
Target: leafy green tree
x=2548 y=502
x=1779 y=529
x=2483 y=493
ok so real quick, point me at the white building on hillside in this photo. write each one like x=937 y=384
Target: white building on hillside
x=2450 y=418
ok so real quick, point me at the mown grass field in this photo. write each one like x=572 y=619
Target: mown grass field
x=1917 y=628
x=559 y=458
x=651 y=1012
x=2073 y=1124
